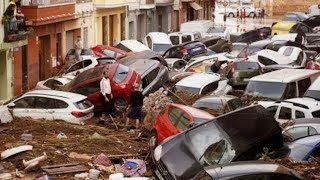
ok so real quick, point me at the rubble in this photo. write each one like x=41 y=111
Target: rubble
x=13 y=151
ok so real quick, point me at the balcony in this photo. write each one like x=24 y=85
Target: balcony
x=42 y=12
x=164 y=2
x=15 y=31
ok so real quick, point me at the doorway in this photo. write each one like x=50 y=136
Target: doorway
x=24 y=69
x=111 y=21
x=3 y=75
x=44 y=57
x=105 y=28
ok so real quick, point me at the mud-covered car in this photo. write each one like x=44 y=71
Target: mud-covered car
x=236 y=136
x=217 y=44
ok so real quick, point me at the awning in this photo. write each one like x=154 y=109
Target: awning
x=195 y=6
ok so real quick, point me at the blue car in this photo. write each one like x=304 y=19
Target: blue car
x=305 y=149
x=186 y=51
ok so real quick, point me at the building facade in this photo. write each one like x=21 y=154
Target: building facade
x=13 y=59
x=111 y=21
x=163 y=16
x=141 y=18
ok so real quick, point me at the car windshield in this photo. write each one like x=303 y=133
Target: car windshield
x=273 y=90
x=313 y=94
x=188 y=89
x=236 y=49
x=246 y=65
x=86 y=52
x=248 y=52
x=121 y=73
x=161 y=47
x=209 y=145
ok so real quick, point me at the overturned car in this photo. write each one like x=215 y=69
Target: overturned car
x=236 y=136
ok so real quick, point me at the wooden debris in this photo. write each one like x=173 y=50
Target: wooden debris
x=64 y=168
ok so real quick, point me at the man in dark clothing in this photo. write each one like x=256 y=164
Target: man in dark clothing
x=135 y=107
x=216 y=67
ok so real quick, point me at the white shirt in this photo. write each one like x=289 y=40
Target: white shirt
x=105 y=87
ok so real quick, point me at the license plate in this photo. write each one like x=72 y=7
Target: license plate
x=159 y=175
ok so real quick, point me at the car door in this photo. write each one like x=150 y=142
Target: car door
x=43 y=108
x=61 y=111
x=23 y=107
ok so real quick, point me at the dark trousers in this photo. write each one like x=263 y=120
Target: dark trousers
x=107 y=107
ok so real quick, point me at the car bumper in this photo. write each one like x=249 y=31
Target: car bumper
x=159 y=170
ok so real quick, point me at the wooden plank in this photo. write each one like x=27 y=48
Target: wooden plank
x=60 y=165
x=64 y=170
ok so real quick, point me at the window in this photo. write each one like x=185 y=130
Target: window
x=186 y=38
x=291 y=91
x=75 y=67
x=288 y=51
x=266 y=61
x=210 y=87
x=211 y=42
x=26 y=102
x=109 y=53
x=316 y=114
x=299 y=114
x=273 y=110
x=174 y=114
x=299 y=59
x=44 y=103
x=86 y=52
x=197 y=36
x=183 y=122
x=52 y=83
x=285 y=113
x=88 y=89
x=121 y=74
x=297 y=132
x=303 y=86
x=60 y=104
x=149 y=42
x=174 y=40
x=84 y=104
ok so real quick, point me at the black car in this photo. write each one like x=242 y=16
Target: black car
x=217 y=44
x=248 y=170
x=147 y=54
x=252 y=36
x=186 y=50
x=236 y=136
x=312 y=21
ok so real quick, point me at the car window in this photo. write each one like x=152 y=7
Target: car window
x=297 y=132
x=52 y=83
x=109 y=53
x=76 y=66
x=316 y=114
x=246 y=65
x=197 y=36
x=303 y=86
x=86 y=52
x=59 y=104
x=174 y=40
x=312 y=131
x=183 y=122
x=305 y=29
x=234 y=104
x=299 y=114
x=84 y=104
x=291 y=91
x=87 y=63
x=210 y=87
x=153 y=74
x=288 y=51
x=25 y=102
x=211 y=42
x=179 y=64
x=71 y=52
x=44 y=103
x=174 y=114
x=273 y=110
x=121 y=73
x=266 y=61
x=186 y=38
x=88 y=89
x=285 y=113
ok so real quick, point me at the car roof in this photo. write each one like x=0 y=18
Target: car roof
x=134 y=45
x=216 y=99
x=57 y=94
x=198 y=80
x=285 y=75
x=194 y=112
x=159 y=38
x=245 y=167
x=308 y=103
x=144 y=66
x=315 y=86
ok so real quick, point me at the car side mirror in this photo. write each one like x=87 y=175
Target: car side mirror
x=11 y=105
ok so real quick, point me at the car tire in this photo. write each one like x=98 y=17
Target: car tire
x=153 y=140
x=119 y=104
x=230 y=15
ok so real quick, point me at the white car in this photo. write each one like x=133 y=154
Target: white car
x=182 y=37
x=132 y=46
x=294 y=108
x=86 y=64
x=71 y=56
x=302 y=128
x=51 y=105
x=199 y=83
x=158 y=42
x=53 y=83
x=176 y=64
x=250 y=11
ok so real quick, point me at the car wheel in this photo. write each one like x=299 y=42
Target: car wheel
x=153 y=140
x=226 y=49
x=251 y=14
x=120 y=104
x=230 y=15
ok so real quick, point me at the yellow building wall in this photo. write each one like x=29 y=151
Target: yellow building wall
x=116 y=14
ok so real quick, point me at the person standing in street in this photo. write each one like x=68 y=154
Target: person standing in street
x=241 y=15
x=106 y=95
x=78 y=48
x=244 y=15
x=135 y=107
x=262 y=14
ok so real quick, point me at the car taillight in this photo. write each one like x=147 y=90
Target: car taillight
x=78 y=114
x=184 y=51
x=261 y=34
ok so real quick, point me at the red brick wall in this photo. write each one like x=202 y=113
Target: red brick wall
x=17 y=72
x=33 y=62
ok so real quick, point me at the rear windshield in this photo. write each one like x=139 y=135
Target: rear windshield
x=85 y=75
x=246 y=65
x=84 y=104
x=121 y=73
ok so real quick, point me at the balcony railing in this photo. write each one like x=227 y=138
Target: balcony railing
x=45 y=2
x=15 y=31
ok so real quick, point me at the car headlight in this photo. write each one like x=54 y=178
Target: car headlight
x=157 y=153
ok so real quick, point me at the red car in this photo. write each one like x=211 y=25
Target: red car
x=108 y=51
x=174 y=119
x=122 y=79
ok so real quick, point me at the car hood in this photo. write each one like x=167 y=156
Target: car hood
x=178 y=159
